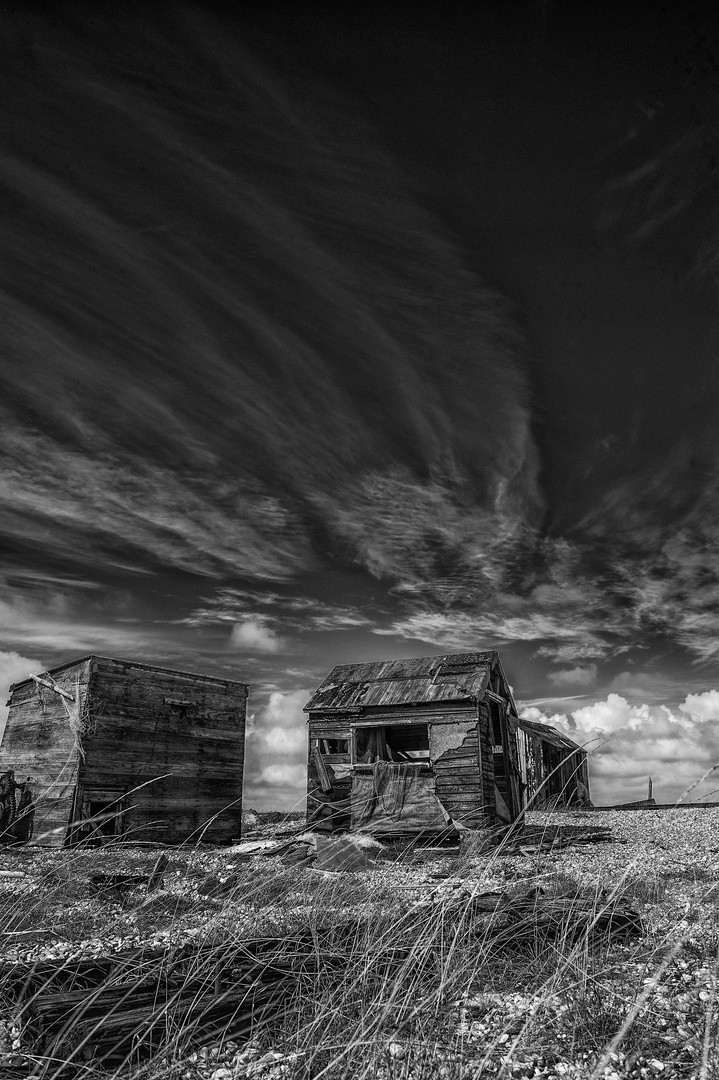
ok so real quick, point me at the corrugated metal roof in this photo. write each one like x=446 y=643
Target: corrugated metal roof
x=549 y=734
x=421 y=679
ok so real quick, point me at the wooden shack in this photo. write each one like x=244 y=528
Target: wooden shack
x=401 y=747
x=113 y=748
x=554 y=768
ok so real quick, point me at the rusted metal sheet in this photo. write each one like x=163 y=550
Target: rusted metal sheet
x=427 y=679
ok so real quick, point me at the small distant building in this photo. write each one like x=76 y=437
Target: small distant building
x=112 y=748
x=554 y=768
x=400 y=747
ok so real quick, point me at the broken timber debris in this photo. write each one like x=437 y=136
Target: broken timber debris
x=122 y=882
x=513 y=841
x=131 y=1004
x=513 y=921
x=107 y=1008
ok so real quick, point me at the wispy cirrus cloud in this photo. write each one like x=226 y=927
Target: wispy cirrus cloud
x=271 y=615
x=566 y=610
x=56 y=621
x=259 y=338
x=259 y=355
x=72 y=501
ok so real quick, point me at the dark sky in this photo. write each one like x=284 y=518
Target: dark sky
x=334 y=337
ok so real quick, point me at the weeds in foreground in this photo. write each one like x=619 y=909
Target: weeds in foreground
x=390 y=974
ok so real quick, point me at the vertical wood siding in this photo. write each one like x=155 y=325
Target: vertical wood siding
x=458 y=775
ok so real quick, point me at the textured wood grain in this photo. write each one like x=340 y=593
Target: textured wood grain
x=39 y=743
x=181 y=765
x=172 y=741
x=397 y=693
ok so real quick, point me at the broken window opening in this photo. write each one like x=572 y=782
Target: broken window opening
x=334 y=746
x=101 y=817
x=392 y=742
x=108 y=820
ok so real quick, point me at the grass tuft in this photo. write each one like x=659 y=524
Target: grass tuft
x=404 y=971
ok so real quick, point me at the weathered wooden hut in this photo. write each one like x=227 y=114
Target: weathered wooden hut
x=554 y=768
x=114 y=748
x=413 y=746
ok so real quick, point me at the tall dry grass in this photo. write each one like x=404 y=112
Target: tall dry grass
x=391 y=973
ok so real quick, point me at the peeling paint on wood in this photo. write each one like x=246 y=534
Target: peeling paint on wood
x=446 y=737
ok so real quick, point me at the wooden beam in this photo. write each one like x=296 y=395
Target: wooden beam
x=53 y=686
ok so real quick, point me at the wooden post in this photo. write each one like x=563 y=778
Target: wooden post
x=324 y=779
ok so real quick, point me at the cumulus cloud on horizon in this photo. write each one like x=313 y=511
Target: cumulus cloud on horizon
x=276 y=749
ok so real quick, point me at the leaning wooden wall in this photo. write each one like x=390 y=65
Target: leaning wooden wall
x=573 y=767
x=530 y=757
x=40 y=742
x=175 y=742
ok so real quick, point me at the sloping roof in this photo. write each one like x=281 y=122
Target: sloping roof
x=421 y=679
x=549 y=734
x=129 y=663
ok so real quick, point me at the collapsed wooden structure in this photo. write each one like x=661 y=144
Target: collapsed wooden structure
x=405 y=746
x=554 y=769
x=113 y=748
x=427 y=745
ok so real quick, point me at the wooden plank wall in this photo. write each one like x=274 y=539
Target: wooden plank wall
x=182 y=765
x=39 y=742
x=464 y=774
x=458 y=774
